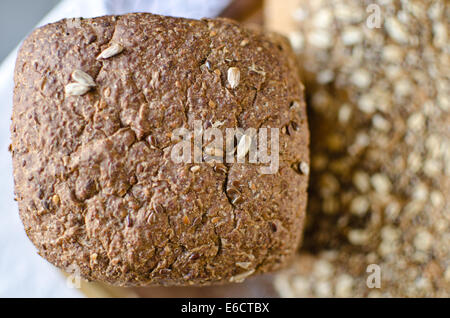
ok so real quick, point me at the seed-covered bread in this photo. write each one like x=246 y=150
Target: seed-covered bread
x=380 y=147
x=95 y=104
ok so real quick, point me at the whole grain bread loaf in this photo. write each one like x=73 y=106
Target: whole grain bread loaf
x=377 y=78
x=95 y=104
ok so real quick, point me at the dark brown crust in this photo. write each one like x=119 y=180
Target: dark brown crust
x=119 y=214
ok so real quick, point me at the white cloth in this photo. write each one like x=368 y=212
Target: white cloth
x=22 y=272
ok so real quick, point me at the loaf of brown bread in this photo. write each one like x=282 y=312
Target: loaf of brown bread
x=377 y=82
x=95 y=104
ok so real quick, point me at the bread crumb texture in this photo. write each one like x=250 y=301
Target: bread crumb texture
x=380 y=149
x=96 y=187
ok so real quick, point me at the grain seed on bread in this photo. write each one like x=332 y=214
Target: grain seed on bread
x=114 y=49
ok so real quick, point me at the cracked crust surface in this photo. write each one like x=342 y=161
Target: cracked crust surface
x=96 y=187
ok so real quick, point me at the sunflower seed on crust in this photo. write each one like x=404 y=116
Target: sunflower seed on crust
x=76 y=89
x=234 y=77
x=241 y=277
x=83 y=78
x=112 y=50
x=244 y=146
